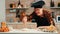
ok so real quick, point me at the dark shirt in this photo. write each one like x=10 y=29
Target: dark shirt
x=41 y=21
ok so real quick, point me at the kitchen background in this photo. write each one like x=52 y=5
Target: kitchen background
x=27 y=3
x=4 y=5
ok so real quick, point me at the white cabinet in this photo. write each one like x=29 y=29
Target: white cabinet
x=58 y=27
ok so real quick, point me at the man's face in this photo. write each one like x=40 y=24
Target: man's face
x=38 y=11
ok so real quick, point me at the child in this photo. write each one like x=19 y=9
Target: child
x=23 y=18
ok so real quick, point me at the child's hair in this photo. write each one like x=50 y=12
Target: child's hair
x=22 y=14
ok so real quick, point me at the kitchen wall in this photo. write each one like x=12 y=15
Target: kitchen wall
x=2 y=7
x=27 y=3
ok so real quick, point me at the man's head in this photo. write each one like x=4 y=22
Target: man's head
x=38 y=11
x=38 y=7
x=38 y=4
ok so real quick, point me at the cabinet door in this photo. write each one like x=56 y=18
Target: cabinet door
x=58 y=27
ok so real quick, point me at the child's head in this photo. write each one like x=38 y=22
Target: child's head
x=23 y=16
x=22 y=13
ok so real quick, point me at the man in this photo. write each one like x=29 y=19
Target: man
x=41 y=16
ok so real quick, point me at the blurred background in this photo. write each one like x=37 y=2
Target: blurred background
x=10 y=9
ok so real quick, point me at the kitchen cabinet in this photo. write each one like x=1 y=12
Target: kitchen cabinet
x=58 y=26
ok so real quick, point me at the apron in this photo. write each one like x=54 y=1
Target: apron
x=41 y=21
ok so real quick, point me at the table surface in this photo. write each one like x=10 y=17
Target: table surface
x=26 y=31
